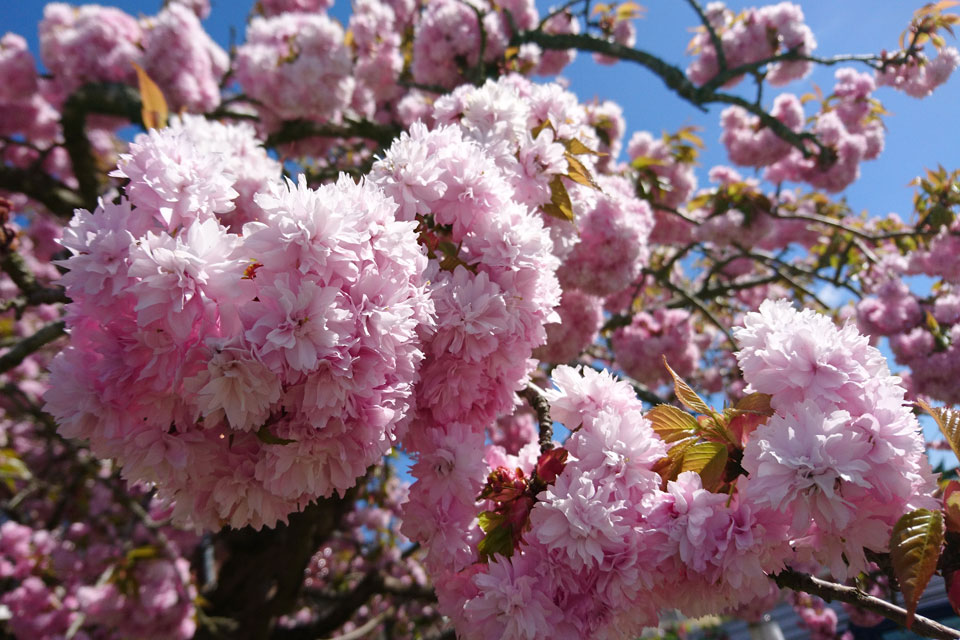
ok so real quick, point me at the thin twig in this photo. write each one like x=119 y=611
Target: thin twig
x=789 y=579
x=714 y=37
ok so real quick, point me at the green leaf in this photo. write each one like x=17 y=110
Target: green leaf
x=951 y=506
x=932 y=323
x=559 y=205
x=914 y=550
x=147 y=552
x=672 y=423
x=498 y=538
x=489 y=520
x=263 y=435
x=642 y=162
x=12 y=468
x=949 y=422
x=686 y=394
x=687 y=133
x=709 y=459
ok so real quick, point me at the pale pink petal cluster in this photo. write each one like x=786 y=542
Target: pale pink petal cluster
x=296 y=65
x=183 y=60
x=24 y=109
x=919 y=76
x=89 y=43
x=613 y=247
x=581 y=316
x=848 y=129
x=63 y=580
x=754 y=35
x=242 y=374
x=843 y=456
x=275 y=7
x=674 y=183
x=640 y=347
x=606 y=545
x=751 y=144
x=493 y=281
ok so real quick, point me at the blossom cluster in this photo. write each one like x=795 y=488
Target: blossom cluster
x=919 y=75
x=78 y=577
x=243 y=373
x=842 y=455
x=640 y=347
x=91 y=43
x=671 y=181
x=493 y=285
x=848 y=124
x=608 y=541
x=751 y=36
x=923 y=331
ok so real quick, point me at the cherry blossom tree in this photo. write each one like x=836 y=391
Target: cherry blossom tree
x=242 y=290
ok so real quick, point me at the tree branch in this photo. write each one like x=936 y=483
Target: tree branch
x=538 y=401
x=295 y=130
x=60 y=199
x=714 y=37
x=676 y=80
x=13 y=264
x=109 y=99
x=19 y=352
x=263 y=573
x=829 y=591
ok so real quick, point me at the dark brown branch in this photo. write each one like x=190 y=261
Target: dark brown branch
x=676 y=80
x=714 y=37
x=263 y=573
x=20 y=351
x=34 y=293
x=295 y=130
x=672 y=76
x=60 y=199
x=538 y=401
x=830 y=591
x=109 y=99
x=42 y=295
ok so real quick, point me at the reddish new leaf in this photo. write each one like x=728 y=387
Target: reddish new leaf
x=757 y=403
x=503 y=486
x=914 y=550
x=952 y=586
x=550 y=464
